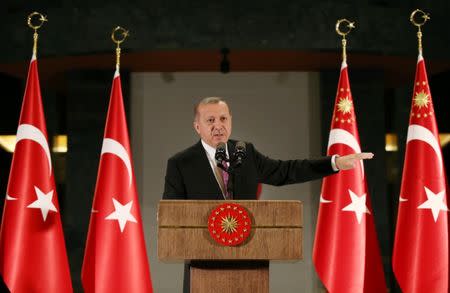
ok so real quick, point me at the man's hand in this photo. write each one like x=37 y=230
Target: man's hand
x=350 y=161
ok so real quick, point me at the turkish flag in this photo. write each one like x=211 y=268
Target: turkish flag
x=32 y=250
x=115 y=258
x=420 y=257
x=346 y=253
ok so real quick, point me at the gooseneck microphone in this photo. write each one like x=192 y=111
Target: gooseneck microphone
x=235 y=161
x=239 y=153
x=221 y=154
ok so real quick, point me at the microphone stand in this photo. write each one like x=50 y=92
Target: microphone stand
x=234 y=162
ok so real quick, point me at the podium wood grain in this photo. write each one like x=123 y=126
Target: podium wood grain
x=183 y=233
x=253 y=280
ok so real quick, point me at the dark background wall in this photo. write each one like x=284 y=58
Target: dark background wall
x=76 y=62
x=81 y=27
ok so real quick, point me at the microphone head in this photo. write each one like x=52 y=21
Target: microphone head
x=220 y=146
x=239 y=153
x=240 y=146
x=221 y=153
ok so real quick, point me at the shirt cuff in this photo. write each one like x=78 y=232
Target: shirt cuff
x=333 y=163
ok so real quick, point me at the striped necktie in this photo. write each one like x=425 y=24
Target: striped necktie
x=222 y=178
x=225 y=177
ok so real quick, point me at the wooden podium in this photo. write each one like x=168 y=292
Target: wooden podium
x=183 y=235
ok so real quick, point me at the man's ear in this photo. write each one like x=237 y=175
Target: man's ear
x=196 y=127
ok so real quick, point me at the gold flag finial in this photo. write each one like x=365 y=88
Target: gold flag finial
x=419 y=18
x=40 y=18
x=122 y=35
x=349 y=26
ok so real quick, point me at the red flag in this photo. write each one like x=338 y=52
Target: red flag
x=346 y=253
x=115 y=258
x=32 y=250
x=420 y=258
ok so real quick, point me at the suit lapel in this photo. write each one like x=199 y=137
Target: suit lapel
x=231 y=145
x=236 y=176
x=205 y=172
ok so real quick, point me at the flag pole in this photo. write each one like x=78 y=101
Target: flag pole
x=349 y=25
x=40 y=19
x=418 y=21
x=122 y=34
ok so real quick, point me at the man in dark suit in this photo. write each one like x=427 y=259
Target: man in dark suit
x=193 y=173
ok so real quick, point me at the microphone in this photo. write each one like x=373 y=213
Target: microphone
x=240 y=153
x=221 y=154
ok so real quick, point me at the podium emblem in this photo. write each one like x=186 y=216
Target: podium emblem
x=229 y=224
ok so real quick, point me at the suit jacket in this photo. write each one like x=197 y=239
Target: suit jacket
x=189 y=174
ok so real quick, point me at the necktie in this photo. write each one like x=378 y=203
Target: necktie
x=225 y=177
x=222 y=178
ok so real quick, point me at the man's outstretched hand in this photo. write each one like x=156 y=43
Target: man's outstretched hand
x=350 y=161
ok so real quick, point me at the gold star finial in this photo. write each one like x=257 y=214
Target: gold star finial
x=345 y=105
x=421 y=100
x=43 y=18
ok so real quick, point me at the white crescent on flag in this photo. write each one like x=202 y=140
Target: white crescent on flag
x=339 y=135
x=8 y=197
x=114 y=147
x=323 y=200
x=418 y=132
x=28 y=131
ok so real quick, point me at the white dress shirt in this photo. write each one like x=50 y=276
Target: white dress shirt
x=211 y=153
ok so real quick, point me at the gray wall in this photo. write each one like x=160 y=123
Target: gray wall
x=278 y=112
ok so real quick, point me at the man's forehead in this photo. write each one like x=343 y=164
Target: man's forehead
x=214 y=109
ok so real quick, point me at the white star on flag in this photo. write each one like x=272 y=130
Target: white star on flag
x=435 y=203
x=43 y=202
x=358 y=205
x=122 y=214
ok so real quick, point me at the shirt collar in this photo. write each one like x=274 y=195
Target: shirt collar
x=212 y=151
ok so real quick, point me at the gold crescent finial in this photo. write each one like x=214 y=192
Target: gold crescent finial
x=418 y=18
x=349 y=25
x=41 y=18
x=122 y=34
x=425 y=17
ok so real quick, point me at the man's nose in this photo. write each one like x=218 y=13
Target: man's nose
x=217 y=124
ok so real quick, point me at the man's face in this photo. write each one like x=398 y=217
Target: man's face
x=213 y=123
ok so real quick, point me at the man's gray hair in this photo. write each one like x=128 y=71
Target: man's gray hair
x=208 y=100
